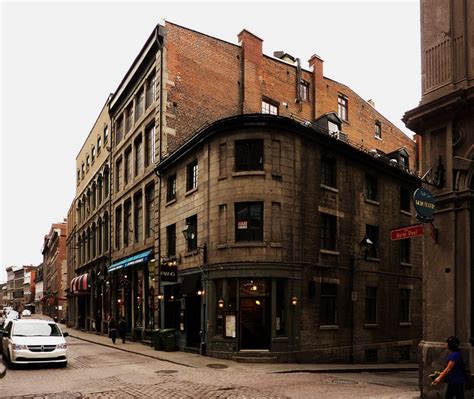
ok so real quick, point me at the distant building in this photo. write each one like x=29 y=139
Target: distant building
x=39 y=294
x=55 y=271
x=29 y=287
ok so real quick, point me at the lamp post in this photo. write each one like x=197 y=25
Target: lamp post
x=364 y=247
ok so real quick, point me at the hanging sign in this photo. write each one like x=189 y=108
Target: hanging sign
x=406 y=232
x=424 y=204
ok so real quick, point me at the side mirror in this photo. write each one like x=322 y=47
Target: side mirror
x=65 y=334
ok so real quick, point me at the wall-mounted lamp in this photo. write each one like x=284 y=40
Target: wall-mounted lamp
x=200 y=292
x=188 y=233
x=294 y=301
x=220 y=303
x=119 y=300
x=365 y=246
x=153 y=260
x=160 y=297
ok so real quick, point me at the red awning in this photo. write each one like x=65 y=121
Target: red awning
x=79 y=283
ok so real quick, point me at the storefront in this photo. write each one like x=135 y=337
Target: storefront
x=79 y=288
x=132 y=295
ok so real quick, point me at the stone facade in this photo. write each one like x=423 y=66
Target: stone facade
x=288 y=259
x=444 y=121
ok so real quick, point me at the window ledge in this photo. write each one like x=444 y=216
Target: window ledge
x=222 y=246
x=378 y=138
x=276 y=245
x=191 y=253
x=247 y=244
x=373 y=259
x=406 y=264
x=328 y=188
x=405 y=212
x=370 y=326
x=277 y=175
x=193 y=190
x=329 y=252
x=369 y=201
x=248 y=173
x=223 y=177
x=170 y=202
x=329 y=327
x=405 y=324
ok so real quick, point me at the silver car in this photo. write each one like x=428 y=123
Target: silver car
x=33 y=341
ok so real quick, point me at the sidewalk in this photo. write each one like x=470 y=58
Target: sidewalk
x=198 y=361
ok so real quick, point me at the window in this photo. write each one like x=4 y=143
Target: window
x=328 y=172
x=328 y=232
x=222 y=159
x=405 y=199
x=371 y=186
x=192 y=175
x=129 y=118
x=106 y=134
x=118 y=130
x=150 y=90
x=128 y=166
x=149 y=195
x=93 y=154
x=138 y=217
x=269 y=108
x=405 y=251
x=171 y=240
x=404 y=161
x=372 y=233
x=118 y=176
x=249 y=221
x=138 y=155
x=171 y=188
x=139 y=104
x=248 y=155
x=106 y=232
x=328 y=304
x=78 y=176
x=106 y=182
x=127 y=222
x=99 y=144
x=378 y=130
x=342 y=108
x=191 y=224
x=304 y=90
x=88 y=161
x=405 y=305
x=118 y=227
x=370 y=305
x=150 y=144
x=83 y=170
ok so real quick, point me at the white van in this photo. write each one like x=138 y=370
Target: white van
x=33 y=341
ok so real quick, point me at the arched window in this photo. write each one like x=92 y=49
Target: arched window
x=99 y=236
x=106 y=232
x=94 y=195
x=88 y=246
x=78 y=211
x=84 y=246
x=106 y=182
x=99 y=190
x=79 y=250
x=93 y=241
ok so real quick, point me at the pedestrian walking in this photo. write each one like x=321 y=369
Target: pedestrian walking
x=454 y=371
x=122 y=328
x=113 y=329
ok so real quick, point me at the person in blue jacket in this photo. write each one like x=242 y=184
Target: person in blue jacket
x=453 y=373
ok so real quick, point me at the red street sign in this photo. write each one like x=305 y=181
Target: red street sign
x=406 y=232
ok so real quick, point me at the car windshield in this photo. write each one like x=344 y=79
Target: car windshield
x=36 y=330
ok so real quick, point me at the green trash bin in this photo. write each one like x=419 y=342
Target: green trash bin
x=168 y=339
x=156 y=340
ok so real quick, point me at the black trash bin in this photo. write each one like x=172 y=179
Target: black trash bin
x=168 y=339
x=156 y=340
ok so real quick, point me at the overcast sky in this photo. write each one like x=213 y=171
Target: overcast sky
x=60 y=60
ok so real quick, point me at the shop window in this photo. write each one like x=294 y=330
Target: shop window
x=328 y=171
x=372 y=233
x=328 y=304
x=249 y=221
x=218 y=287
x=371 y=305
x=248 y=155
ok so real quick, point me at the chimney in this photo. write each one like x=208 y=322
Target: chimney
x=316 y=63
x=251 y=73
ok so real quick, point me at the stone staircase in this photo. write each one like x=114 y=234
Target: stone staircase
x=254 y=356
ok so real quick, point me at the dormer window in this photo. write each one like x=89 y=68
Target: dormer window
x=333 y=127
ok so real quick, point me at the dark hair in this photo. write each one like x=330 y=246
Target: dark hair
x=453 y=343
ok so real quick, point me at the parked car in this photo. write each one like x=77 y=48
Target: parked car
x=12 y=314
x=33 y=341
x=25 y=313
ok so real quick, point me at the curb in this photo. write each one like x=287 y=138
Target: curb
x=130 y=351
x=3 y=371
x=356 y=370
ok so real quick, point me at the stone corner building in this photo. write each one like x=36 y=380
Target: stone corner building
x=242 y=186
x=444 y=121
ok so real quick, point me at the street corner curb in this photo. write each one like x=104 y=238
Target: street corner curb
x=3 y=371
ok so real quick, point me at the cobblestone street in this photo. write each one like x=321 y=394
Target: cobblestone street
x=96 y=371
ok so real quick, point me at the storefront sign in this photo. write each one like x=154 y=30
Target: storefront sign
x=424 y=204
x=169 y=272
x=406 y=232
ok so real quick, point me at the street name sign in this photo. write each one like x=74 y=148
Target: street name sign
x=406 y=232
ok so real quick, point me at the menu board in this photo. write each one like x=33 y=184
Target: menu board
x=230 y=325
